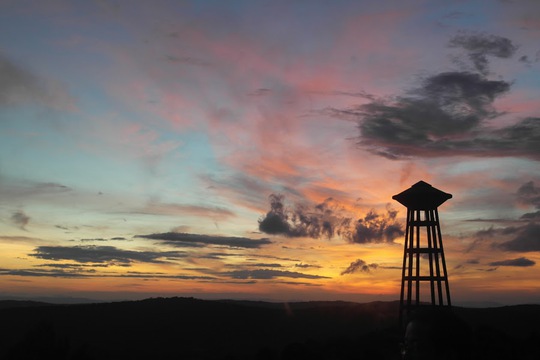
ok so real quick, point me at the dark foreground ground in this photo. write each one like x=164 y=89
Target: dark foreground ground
x=185 y=328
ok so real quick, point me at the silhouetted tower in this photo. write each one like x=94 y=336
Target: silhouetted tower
x=423 y=259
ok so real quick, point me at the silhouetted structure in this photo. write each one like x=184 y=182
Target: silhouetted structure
x=422 y=201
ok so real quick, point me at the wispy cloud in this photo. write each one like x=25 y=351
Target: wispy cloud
x=20 y=219
x=74 y=272
x=306 y=266
x=190 y=240
x=525 y=241
x=479 y=46
x=20 y=86
x=270 y=274
x=103 y=254
x=359 y=265
x=519 y=262
x=157 y=208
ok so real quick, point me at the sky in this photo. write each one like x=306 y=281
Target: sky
x=251 y=149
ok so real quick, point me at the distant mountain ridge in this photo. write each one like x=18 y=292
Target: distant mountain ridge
x=189 y=328
x=6 y=304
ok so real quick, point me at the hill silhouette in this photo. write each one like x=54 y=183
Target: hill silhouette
x=187 y=328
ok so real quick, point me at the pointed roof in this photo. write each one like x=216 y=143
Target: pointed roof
x=422 y=196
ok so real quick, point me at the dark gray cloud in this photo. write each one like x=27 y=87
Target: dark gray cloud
x=493 y=234
x=482 y=235
x=527 y=240
x=266 y=265
x=254 y=265
x=43 y=273
x=276 y=220
x=529 y=194
x=92 y=240
x=376 y=228
x=269 y=274
x=72 y=266
x=534 y=216
x=479 y=46
x=359 y=265
x=76 y=273
x=522 y=262
x=520 y=139
x=524 y=233
x=103 y=254
x=20 y=219
x=326 y=220
x=197 y=240
x=102 y=239
x=448 y=113
x=218 y=256
x=306 y=266
x=409 y=127
x=442 y=117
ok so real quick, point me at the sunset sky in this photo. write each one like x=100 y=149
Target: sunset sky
x=250 y=149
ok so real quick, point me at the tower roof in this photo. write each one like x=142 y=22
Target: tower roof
x=422 y=196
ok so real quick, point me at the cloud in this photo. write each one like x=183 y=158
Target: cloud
x=377 y=228
x=103 y=254
x=521 y=262
x=215 y=213
x=448 y=122
x=326 y=220
x=255 y=265
x=72 y=266
x=20 y=239
x=527 y=240
x=305 y=266
x=22 y=190
x=448 y=113
x=20 y=219
x=269 y=265
x=270 y=274
x=529 y=194
x=359 y=265
x=76 y=273
x=41 y=273
x=196 y=240
x=524 y=236
x=480 y=45
x=187 y=60
x=276 y=220
x=20 y=86
x=531 y=216
x=102 y=239
x=438 y=118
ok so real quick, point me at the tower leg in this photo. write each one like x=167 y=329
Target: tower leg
x=415 y=254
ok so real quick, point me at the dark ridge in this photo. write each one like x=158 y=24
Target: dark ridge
x=5 y=304
x=188 y=328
